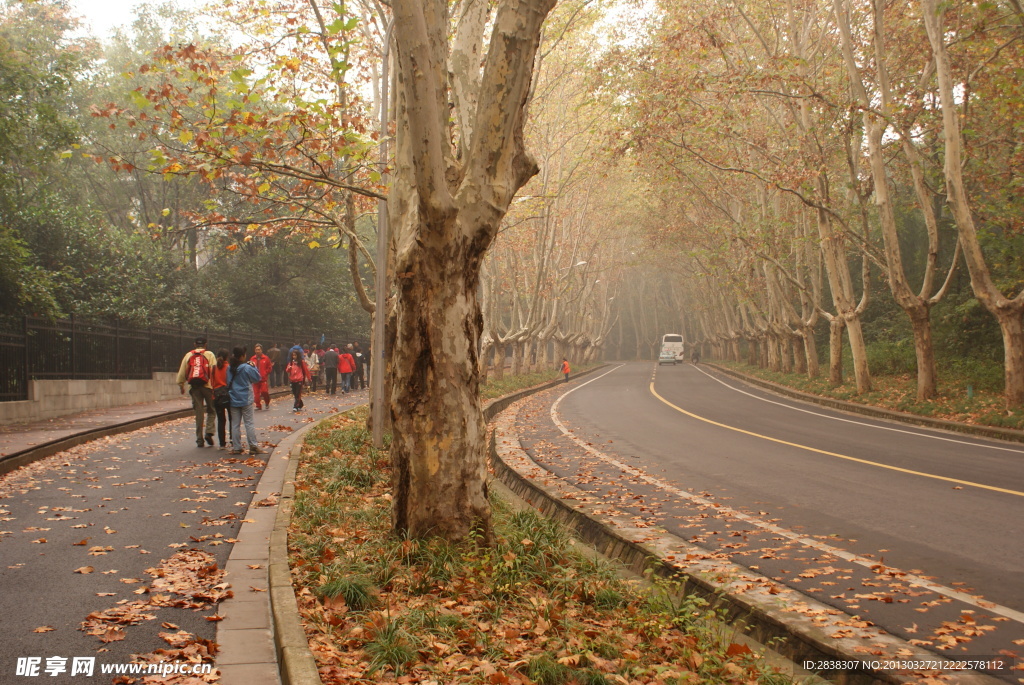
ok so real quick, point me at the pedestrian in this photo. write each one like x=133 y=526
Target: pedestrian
x=221 y=398
x=275 y=359
x=359 y=376
x=346 y=366
x=695 y=355
x=320 y=364
x=565 y=368
x=331 y=357
x=240 y=377
x=298 y=373
x=264 y=366
x=313 y=362
x=196 y=370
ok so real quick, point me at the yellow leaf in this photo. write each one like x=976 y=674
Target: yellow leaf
x=264 y=187
x=313 y=244
x=185 y=136
x=165 y=212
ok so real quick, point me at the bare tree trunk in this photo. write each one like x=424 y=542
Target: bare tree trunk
x=448 y=204
x=835 y=351
x=810 y=352
x=796 y=344
x=499 y=361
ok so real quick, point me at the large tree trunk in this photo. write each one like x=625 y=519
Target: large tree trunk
x=436 y=404
x=448 y=204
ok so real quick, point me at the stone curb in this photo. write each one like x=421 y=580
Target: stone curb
x=765 y=610
x=877 y=412
x=295 y=660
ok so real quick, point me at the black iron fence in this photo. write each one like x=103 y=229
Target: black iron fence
x=76 y=349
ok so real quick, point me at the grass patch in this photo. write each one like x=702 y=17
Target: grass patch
x=509 y=384
x=529 y=609
x=965 y=393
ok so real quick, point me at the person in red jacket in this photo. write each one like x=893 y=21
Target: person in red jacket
x=565 y=368
x=263 y=364
x=297 y=372
x=346 y=366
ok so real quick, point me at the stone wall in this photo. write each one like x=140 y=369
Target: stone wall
x=50 y=399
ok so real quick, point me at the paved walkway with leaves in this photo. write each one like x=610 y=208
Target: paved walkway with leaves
x=116 y=548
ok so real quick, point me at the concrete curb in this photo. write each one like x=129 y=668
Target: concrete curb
x=297 y=666
x=253 y=631
x=877 y=412
x=766 y=611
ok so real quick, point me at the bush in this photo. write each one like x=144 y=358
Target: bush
x=892 y=357
x=984 y=374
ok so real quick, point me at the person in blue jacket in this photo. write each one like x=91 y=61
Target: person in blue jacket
x=241 y=376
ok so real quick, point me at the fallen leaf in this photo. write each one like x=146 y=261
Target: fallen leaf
x=112 y=635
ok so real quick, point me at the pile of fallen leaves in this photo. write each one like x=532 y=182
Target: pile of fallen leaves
x=530 y=609
x=190 y=580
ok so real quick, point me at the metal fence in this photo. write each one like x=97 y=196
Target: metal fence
x=76 y=349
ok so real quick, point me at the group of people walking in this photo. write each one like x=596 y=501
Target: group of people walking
x=225 y=387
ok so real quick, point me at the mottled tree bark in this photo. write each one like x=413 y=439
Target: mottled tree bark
x=449 y=199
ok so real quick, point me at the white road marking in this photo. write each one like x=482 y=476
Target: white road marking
x=929 y=435
x=952 y=593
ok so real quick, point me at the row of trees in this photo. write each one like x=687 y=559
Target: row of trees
x=805 y=145
x=738 y=176
x=87 y=229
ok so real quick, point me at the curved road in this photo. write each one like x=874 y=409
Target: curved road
x=916 y=529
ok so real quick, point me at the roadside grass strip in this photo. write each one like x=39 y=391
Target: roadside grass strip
x=530 y=609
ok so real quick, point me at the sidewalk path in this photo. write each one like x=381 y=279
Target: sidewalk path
x=125 y=529
x=22 y=436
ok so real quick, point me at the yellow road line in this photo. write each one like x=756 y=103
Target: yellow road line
x=834 y=454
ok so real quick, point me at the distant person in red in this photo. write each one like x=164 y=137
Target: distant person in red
x=263 y=364
x=297 y=372
x=565 y=368
x=346 y=367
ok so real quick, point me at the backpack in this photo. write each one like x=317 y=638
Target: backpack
x=198 y=369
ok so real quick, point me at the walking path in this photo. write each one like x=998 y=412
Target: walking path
x=119 y=546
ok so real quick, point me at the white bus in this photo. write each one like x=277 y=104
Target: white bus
x=673 y=342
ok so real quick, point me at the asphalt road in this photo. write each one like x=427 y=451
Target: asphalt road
x=122 y=505
x=917 y=531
